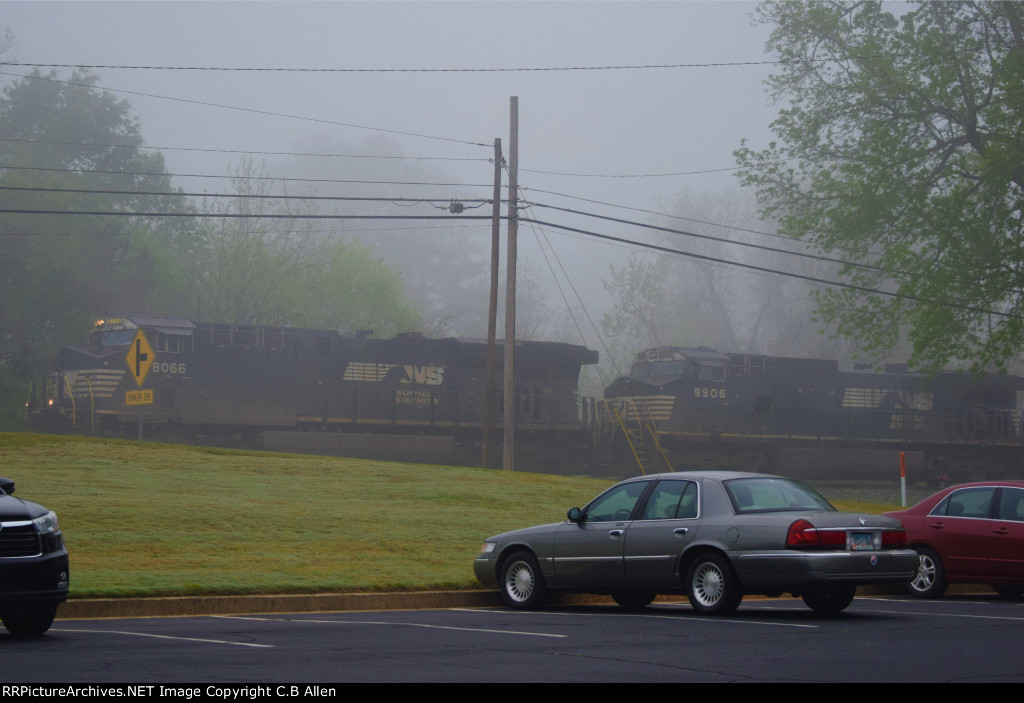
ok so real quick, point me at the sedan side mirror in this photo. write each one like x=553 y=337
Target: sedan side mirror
x=6 y=485
x=573 y=514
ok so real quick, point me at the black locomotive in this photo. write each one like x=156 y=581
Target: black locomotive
x=699 y=408
x=421 y=399
x=197 y=379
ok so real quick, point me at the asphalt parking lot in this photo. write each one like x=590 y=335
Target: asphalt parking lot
x=962 y=638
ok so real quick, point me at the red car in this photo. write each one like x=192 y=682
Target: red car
x=971 y=533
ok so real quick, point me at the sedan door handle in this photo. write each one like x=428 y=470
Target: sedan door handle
x=680 y=530
x=616 y=533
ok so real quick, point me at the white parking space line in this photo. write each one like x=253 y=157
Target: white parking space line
x=400 y=624
x=675 y=618
x=162 y=637
x=944 y=615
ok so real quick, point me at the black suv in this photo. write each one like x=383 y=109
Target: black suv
x=34 y=573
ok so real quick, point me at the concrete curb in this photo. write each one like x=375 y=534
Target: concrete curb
x=326 y=602
x=285 y=603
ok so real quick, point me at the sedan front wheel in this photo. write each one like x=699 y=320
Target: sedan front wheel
x=522 y=585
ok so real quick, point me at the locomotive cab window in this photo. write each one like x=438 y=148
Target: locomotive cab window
x=116 y=338
x=707 y=372
x=667 y=368
x=166 y=343
x=640 y=370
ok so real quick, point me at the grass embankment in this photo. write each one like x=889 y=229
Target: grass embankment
x=144 y=519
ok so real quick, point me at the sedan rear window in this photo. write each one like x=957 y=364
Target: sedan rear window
x=764 y=495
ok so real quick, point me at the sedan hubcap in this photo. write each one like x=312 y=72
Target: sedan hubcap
x=925 y=574
x=519 y=582
x=707 y=584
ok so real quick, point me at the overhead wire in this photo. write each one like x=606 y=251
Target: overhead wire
x=256 y=111
x=254 y=178
x=242 y=196
x=597 y=332
x=245 y=151
x=514 y=69
x=816 y=257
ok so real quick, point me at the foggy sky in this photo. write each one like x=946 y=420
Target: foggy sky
x=580 y=122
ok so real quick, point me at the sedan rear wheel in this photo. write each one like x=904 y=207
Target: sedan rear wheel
x=713 y=588
x=930 y=580
x=522 y=585
x=830 y=600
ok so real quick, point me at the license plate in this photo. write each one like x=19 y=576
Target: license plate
x=861 y=540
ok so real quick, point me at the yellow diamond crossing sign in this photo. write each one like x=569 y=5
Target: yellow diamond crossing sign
x=140 y=357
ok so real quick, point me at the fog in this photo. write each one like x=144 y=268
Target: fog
x=589 y=138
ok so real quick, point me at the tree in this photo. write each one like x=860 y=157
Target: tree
x=262 y=262
x=901 y=151
x=683 y=301
x=59 y=271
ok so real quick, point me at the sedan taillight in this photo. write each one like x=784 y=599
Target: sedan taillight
x=894 y=539
x=803 y=535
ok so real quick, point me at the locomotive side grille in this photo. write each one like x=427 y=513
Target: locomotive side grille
x=864 y=397
x=101 y=383
x=367 y=373
x=19 y=541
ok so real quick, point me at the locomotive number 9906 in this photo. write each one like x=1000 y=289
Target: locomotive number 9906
x=714 y=393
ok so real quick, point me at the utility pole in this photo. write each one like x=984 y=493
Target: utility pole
x=510 y=285
x=492 y=314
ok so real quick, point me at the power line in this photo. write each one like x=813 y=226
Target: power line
x=243 y=196
x=518 y=69
x=247 y=151
x=815 y=257
x=345 y=230
x=248 y=109
x=632 y=175
x=777 y=272
x=254 y=178
x=231 y=215
x=579 y=299
x=655 y=212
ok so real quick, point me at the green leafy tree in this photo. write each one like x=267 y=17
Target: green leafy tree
x=901 y=148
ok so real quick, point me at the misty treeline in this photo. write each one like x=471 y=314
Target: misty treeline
x=679 y=300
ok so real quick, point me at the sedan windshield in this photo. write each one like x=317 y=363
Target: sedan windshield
x=763 y=495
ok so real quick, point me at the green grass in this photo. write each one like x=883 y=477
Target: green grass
x=152 y=519
x=145 y=519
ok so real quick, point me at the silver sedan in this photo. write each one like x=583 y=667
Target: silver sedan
x=714 y=536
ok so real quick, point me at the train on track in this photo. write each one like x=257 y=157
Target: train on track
x=413 y=397
x=807 y=417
